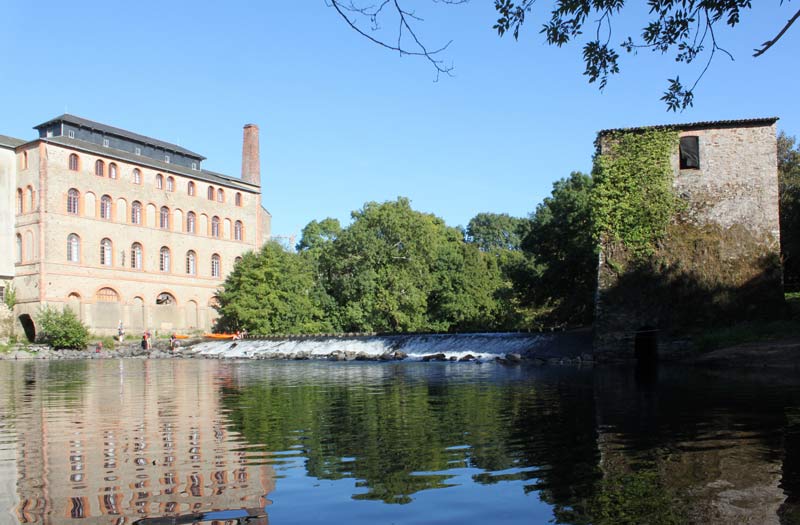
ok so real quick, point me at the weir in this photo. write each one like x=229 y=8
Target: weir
x=481 y=346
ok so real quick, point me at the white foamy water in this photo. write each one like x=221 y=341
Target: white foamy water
x=482 y=347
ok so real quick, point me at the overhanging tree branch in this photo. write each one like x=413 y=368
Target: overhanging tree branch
x=769 y=43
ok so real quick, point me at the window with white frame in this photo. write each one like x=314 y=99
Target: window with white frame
x=73 y=248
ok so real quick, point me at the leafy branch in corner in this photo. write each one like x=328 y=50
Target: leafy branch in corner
x=683 y=28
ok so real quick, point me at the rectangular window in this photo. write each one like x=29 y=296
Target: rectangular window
x=49 y=133
x=166 y=159
x=105 y=142
x=137 y=150
x=71 y=134
x=690 y=153
x=194 y=165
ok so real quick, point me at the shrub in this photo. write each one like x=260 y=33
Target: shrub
x=61 y=329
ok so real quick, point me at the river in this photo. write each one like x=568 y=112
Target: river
x=284 y=442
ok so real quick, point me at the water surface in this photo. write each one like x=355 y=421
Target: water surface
x=118 y=441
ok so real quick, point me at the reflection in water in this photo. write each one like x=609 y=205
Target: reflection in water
x=105 y=441
x=207 y=441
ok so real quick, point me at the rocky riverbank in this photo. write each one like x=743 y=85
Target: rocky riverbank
x=133 y=350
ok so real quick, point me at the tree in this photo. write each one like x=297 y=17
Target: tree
x=317 y=234
x=395 y=269
x=61 y=329
x=491 y=231
x=562 y=268
x=789 y=184
x=686 y=29
x=273 y=291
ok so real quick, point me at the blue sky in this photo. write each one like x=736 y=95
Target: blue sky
x=343 y=121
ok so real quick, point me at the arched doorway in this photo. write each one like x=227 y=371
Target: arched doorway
x=27 y=325
x=645 y=344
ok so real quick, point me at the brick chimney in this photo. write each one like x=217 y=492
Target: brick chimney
x=251 y=165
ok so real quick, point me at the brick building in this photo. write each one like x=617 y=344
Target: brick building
x=720 y=260
x=123 y=227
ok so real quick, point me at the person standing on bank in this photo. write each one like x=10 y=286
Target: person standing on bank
x=120 y=332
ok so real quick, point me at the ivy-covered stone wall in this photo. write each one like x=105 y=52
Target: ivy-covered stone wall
x=685 y=249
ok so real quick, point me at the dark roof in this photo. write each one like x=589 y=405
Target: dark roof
x=111 y=130
x=204 y=175
x=741 y=123
x=11 y=142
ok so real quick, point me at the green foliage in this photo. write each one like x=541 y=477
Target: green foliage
x=632 y=200
x=398 y=270
x=272 y=291
x=316 y=235
x=61 y=328
x=11 y=297
x=562 y=270
x=756 y=331
x=496 y=231
x=109 y=343
x=789 y=186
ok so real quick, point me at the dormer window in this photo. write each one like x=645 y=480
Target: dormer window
x=194 y=165
x=690 y=153
x=166 y=159
x=137 y=150
x=71 y=134
x=105 y=142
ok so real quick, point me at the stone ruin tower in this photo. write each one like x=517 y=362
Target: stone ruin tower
x=719 y=261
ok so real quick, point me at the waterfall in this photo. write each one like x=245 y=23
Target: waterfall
x=481 y=346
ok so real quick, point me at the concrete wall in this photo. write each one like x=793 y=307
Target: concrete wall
x=721 y=257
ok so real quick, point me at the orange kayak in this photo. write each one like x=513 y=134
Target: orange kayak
x=219 y=336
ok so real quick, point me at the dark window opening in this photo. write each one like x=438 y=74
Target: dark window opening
x=690 y=153
x=645 y=345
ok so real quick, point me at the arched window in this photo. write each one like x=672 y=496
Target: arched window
x=215 y=265
x=159 y=181
x=191 y=262
x=24 y=160
x=137 y=176
x=165 y=298
x=220 y=195
x=112 y=171
x=211 y=193
x=99 y=168
x=106 y=295
x=238 y=231
x=105 y=252
x=215 y=226
x=73 y=199
x=163 y=259
x=73 y=248
x=18 y=255
x=163 y=221
x=136 y=212
x=191 y=222
x=30 y=197
x=73 y=162
x=238 y=199
x=170 y=184
x=20 y=202
x=136 y=256
x=105 y=207
x=190 y=189
x=237 y=260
